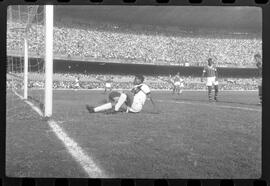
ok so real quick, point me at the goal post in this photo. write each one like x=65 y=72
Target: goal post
x=48 y=60
x=25 y=76
x=30 y=55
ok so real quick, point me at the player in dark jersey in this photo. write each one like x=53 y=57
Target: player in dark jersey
x=211 y=75
x=258 y=61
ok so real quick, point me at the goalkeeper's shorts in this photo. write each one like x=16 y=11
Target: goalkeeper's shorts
x=114 y=96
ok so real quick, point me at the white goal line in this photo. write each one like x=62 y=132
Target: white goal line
x=85 y=161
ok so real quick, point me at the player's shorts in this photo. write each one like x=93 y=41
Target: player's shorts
x=210 y=81
x=135 y=107
x=114 y=96
x=108 y=85
x=130 y=98
x=182 y=85
x=178 y=83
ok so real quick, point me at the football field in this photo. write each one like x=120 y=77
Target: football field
x=189 y=138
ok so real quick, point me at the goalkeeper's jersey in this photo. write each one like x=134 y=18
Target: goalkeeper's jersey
x=140 y=94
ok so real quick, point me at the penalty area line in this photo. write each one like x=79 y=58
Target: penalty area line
x=211 y=105
x=86 y=162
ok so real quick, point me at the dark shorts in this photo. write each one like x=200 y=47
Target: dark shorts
x=115 y=94
x=130 y=97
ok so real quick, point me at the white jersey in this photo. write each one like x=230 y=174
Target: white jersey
x=140 y=95
x=77 y=82
x=108 y=85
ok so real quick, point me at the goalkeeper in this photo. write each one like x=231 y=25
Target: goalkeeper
x=126 y=101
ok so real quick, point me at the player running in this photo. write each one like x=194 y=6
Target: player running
x=211 y=78
x=126 y=101
x=258 y=61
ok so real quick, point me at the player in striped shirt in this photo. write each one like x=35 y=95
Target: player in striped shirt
x=258 y=61
x=211 y=79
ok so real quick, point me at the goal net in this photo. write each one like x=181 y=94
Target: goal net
x=26 y=54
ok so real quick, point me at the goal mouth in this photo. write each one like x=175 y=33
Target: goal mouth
x=27 y=53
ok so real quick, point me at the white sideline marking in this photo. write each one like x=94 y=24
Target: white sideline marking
x=31 y=104
x=77 y=152
x=92 y=170
x=211 y=105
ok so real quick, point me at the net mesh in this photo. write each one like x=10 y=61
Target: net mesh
x=25 y=23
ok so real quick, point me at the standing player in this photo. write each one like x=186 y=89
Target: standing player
x=108 y=84
x=211 y=78
x=77 y=83
x=258 y=61
x=170 y=80
x=178 y=84
x=126 y=101
x=181 y=85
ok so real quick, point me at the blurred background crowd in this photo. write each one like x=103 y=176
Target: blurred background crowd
x=128 y=44
x=97 y=81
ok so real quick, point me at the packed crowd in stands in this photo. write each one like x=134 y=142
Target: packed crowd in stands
x=97 y=81
x=129 y=44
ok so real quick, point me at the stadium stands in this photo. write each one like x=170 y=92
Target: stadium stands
x=94 y=81
x=124 y=44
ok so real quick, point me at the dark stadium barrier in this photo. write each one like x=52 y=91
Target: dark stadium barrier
x=70 y=66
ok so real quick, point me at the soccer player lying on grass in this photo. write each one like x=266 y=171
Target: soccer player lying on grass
x=126 y=101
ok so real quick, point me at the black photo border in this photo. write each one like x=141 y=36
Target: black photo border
x=265 y=178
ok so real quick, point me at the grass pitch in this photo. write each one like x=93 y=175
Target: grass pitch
x=189 y=138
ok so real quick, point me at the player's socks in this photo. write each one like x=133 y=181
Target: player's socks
x=210 y=93
x=103 y=107
x=260 y=93
x=120 y=102
x=216 y=92
x=90 y=108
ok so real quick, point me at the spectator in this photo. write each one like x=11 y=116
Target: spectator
x=120 y=43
